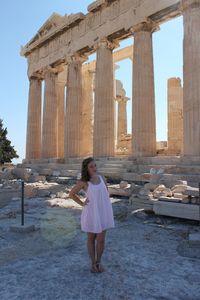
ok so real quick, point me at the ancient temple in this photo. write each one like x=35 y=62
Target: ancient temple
x=77 y=116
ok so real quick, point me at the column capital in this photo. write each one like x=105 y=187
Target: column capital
x=35 y=76
x=76 y=57
x=147 y=25
x=187 y=4
x=122 y=99
x=50 y=70
x=105 y=43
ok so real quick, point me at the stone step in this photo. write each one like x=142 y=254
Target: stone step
x=57 y=167
x=110 y=170
x=186 y=169
x=110 y=166
x=53 y=166
x=147 y=168
x=158 y=160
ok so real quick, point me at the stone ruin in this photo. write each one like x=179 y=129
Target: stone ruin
x=86 y=124
x=80 y=97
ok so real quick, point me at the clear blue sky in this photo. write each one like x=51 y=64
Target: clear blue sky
x=19 y=22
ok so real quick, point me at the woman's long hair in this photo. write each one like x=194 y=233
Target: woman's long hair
x=84 y=169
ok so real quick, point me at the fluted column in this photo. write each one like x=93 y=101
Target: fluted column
x=175 y=116
x=87 y=112
x=73 y=107
x=61 y=117
x=49 y=130
x=33 y=135
x=191 y=77
x=143 y=108
x=104 y=132
x=122 y=116
x=115 y=68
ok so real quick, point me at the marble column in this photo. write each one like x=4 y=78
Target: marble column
x=73 y=108
x=61 y=117
x=104 y=131
x=49 y=130
x=143 y=108
x=33 y=135
x=87 y=112
x=175 y=116
x=115 y=68
x=191 y=77
x=122 y=116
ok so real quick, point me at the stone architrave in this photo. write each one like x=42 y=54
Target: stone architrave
x=73 y=118
x=104 y=131
x=49 y=130
x=175 y=116
x=191 y=77
x=33 y=135
x=143 y=108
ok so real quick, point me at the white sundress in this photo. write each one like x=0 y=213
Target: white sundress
x=97 y=215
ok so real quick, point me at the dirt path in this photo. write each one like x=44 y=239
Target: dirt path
x=142 y=258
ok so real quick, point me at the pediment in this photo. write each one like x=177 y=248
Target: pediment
x=53 y=21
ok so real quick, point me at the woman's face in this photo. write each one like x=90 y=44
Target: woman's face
x=92 y=168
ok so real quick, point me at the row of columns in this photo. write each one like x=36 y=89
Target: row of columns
x=79 y=100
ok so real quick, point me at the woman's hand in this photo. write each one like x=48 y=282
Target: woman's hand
x=86 y=202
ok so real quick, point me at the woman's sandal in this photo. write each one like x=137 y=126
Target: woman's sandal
x=94 y=268
x=100 y=267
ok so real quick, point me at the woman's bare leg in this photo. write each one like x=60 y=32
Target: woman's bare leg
x=91 y=250
x=100 y=238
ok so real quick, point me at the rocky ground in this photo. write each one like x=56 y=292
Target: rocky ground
x=146 y=256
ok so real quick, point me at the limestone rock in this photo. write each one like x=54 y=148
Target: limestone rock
x=135 y=188
x=123 y=184
x=178 y=195
x=36 y=178
x=169 y=183
x=179 y=188
x=56 y=173
x=46 y=172
x=43 y=193
x=161 y=190
x=116 y=190
x=62 y=195
x=144 y=194
x=151 y=186
x=21 y=173
x=169 y=199
x=6 y=175
x=30 y=191
x=192 y=191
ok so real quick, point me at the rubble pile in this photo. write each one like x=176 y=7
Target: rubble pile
x=166 y=190
x=26 y=174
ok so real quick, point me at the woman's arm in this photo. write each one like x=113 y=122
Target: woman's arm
x=80 y=184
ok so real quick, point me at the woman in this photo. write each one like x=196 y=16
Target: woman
x=97 y=213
